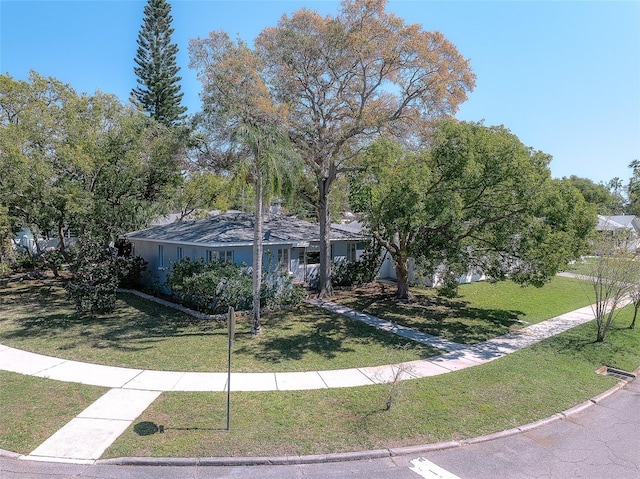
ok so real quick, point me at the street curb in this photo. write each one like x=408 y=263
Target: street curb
x=346 y=456
x=358 y=455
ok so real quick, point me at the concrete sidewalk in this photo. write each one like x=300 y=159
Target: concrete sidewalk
x=84 y=439
x=458 y=357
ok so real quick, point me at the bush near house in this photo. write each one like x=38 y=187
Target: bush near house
x=97 y=273
x=214 y=287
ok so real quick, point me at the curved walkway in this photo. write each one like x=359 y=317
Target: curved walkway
x=85 y=438
x=458 y=357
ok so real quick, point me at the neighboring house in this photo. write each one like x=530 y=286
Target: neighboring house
x=289 y=243
x=616 y=223
x=388 y=268
x=25 y=242
x=388 y=271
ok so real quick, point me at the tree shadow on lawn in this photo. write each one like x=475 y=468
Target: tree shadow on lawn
x=451 y=319
x=135 y=325
x=324 y=334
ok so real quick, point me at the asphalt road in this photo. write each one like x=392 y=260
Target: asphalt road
x=598 y=442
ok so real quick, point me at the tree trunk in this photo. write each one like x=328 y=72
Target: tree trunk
x=402 y=279
x=256 y=328
x=635 y=314
x=325 y=289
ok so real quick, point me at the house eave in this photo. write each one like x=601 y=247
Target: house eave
x=291 y=243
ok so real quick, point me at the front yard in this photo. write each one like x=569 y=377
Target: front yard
x=482 y=311
x=528 y=385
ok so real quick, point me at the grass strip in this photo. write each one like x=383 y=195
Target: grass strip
x=526 y=386
x=32 y=409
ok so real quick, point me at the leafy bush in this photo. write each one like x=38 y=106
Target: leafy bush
x=97 y=273
x=217 y=287
x=129 y=270
x=213 y=287
x=359 y=272
x=26 y=262
x=278 y=290
x=52 y=259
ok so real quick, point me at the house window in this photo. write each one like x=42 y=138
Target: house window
x=160 y=256
x=313 y=257
x=351 y=252
x=283 y=259
x=208 y=256
x=225 y=256
x=179 y=253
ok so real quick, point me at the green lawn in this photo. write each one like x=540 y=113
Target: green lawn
x=31 y=409
x=584 y=266
x=143 y=334
x=482 y=311
x=523 y=387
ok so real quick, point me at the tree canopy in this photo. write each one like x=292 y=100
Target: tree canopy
x=599 y=195
x=475 y=199
x=158 y=90
x=80 y=163
x=338 y=82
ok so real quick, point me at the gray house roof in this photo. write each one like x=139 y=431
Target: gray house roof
x=613 y=223
x=236 y=229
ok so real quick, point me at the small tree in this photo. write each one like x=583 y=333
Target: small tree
x=97 y=273
x=635 y=297
x=613 y=276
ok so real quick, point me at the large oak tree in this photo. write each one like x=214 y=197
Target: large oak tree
x=475 y=199
x=343 y=80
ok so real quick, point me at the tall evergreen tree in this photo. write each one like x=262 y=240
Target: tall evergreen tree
x=158 y=90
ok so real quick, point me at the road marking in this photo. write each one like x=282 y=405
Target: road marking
x=429 y=470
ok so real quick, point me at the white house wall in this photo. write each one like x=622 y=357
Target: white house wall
x=388 y=271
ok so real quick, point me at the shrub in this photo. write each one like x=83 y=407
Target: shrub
x=359 y=272
x=213 y=287
x=97 y=273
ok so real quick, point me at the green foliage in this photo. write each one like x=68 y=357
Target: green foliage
x=24 y=261
x=85 y=163
x=97 y=273
x=213 y=287
x=95 y=278
x=476 y=199
x=52 y=259
x=359 y=272
x=277 y=289
x=598 y=195
x=158 y=90
x=130 y=269
x=202 y=192
x=633 y=189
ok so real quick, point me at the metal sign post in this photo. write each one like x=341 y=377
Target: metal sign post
x=232 y=332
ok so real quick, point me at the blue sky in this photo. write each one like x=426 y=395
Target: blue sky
x=564 y=76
